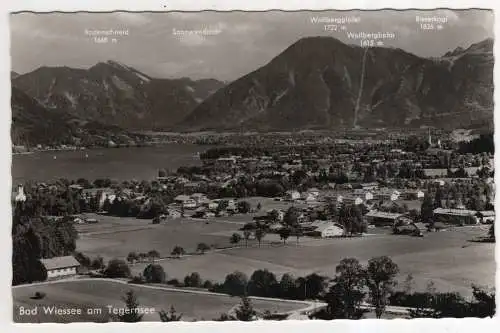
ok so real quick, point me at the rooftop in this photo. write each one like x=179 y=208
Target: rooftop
x=59 y=262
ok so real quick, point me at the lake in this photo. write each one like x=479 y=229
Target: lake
x=140 y=163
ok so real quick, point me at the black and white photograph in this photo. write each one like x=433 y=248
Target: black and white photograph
x=252 y=165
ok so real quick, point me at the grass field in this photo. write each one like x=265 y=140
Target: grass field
x=99 y=294
x=447 y=258
x=115 y=237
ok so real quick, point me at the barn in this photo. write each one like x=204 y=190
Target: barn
x=60 y=266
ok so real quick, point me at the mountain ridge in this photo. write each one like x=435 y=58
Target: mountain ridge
x=115 y=94
x=320 y=82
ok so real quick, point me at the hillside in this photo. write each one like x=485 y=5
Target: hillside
x=33 y=124
x=320 y=82
x=115 y=94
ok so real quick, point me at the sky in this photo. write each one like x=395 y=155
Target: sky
x=166 y=45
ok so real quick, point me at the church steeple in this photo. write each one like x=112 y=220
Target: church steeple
x=430 y=138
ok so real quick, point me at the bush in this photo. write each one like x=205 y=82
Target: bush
x=39 y=295
x=193 y=280
x=117 y=269
x=154 y=273
x=138 y=279
x=208 y=284
x=235 y=284
x=174 y=282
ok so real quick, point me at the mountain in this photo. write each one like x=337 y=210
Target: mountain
x=322 y=83
x=34 y=124
x=115 y=94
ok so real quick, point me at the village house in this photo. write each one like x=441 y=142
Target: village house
x=325 y=229
x=185 y=201
x=60 y=266
x=379 y=218
x=20 y=196
x=410 y=194
x=369 y=186
x=199 y=198
x=292 y=195
x=387 y=194
x=349 y=200
x=174 y=213
x=486 y=216
x=456 y=216
x=365 y=195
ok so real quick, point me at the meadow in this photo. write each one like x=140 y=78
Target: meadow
x=99 y=294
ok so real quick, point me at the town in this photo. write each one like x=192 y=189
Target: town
x=257 y=196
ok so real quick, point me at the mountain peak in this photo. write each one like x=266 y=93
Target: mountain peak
x=320 y=82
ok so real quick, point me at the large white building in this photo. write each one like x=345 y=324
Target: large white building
x=20 y=196
x=60 y=266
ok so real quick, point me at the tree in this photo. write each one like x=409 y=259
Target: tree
x=131 y=305
x=235 y=238
x=430 y=288
x=82 y=259
x=132 y=257
x=312 y=286
x=202 y=248
x=346 y=295
x=427 y=210
x=438 y=197
x=193 y=280
x=246 y=235
x=235 y=284
x=162 y=173
x=171 y=315
x=117 y=269
x=262 y=283
x=225 y=317
x=245 y=311
x=97 y=263
x=244 y=207
x=408 y=284
x=381 y=273
x=297 y=232
x=178 y=251
x=153 y=254
x=274 y=216
x=259 y=235
x=154 y=273
x=491 y=232
x=287 y=286
x=284 y=234
x=291 y=217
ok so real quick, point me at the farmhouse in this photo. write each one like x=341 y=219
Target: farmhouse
x=350 y=200
x=329 y=230
x=60 y=266
x=410 y=194
x=185 y=201
x=379 y=218
x=292 y=195
x=456 y=216
x=487 y=216
x=364 y=194
x=325 y=229
x=174 y=214
x=386 y=194
x=369 y=186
